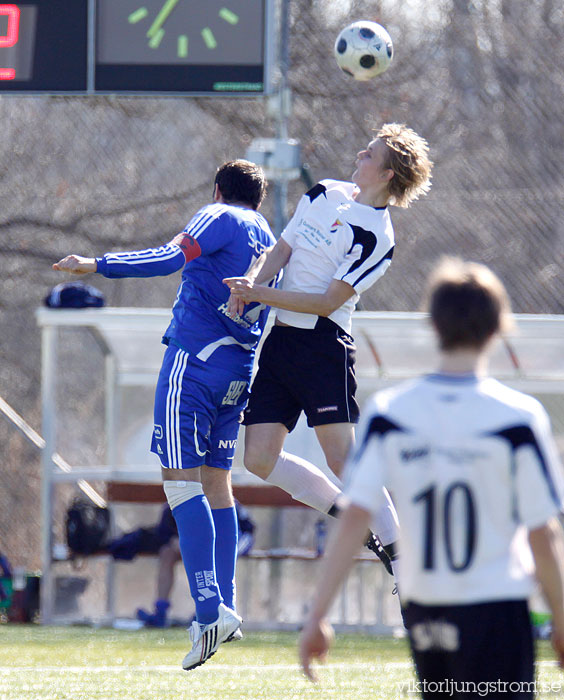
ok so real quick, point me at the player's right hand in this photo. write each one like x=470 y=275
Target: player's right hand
x=557 y=639
x=235 y=306
x=76 y=265
x=314 y=642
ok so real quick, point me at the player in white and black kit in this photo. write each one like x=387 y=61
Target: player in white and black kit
x=338 y=243
x=477 y=483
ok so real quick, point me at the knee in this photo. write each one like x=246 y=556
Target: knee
x=217 y=487
x=335 y=463
x=259 y=461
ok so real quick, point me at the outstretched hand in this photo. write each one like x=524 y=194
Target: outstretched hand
x=76 y=265
x=314 y=643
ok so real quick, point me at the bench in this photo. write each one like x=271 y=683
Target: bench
x=277 y=559
x=247 y=495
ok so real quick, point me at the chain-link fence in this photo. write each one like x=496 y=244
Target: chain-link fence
x=482 y=81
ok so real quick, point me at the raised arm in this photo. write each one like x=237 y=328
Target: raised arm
x=245 y=290
x=152 y=262
x=547 y=544
x=276 y=258
x=323 y=304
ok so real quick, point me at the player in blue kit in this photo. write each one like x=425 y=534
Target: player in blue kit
x=203 y=384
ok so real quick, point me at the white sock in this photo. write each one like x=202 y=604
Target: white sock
x=303 y=481
x=385 y=522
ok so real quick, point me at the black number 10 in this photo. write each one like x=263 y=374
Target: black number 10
x=429 y=499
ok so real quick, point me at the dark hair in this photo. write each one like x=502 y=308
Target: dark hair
x=241 y=181
x=468 y=304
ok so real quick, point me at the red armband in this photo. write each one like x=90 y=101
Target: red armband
x=188 y=245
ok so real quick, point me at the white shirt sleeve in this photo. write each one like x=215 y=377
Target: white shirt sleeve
x=539 y=473
x=366 y=471
x=367 y=260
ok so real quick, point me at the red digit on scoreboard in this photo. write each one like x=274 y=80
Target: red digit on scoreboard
x=11 y=37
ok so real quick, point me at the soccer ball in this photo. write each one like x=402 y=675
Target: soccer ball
x=364 y=50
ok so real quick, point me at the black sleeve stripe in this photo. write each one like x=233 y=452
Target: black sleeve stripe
x=370 y=270
x=367 y=240
x=381 y=425
x=378 y=426
x=316 y=191
x=521 y=435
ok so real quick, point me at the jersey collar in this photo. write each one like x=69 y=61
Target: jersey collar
x=466 y=378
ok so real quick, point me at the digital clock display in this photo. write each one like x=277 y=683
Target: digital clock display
x=135 y=46
x=43 y=46
x=17 y=38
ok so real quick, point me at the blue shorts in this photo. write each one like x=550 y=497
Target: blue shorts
x=197 y=412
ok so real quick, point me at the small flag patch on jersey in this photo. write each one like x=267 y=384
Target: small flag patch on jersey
x=335 y=225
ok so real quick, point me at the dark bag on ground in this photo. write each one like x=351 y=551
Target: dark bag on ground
x=88 y=527
x=144 y=540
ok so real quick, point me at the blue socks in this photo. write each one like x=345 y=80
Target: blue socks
x=208 y=544
x=196 y=535
x=226 y=534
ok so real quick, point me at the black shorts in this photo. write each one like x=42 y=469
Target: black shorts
x=472 y=651
x=310 y=370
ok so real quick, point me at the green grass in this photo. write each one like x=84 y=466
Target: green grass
x=79 y=663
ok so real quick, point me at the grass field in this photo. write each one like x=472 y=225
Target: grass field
x=79 y=663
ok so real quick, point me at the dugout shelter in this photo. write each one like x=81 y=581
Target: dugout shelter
x=99 y=370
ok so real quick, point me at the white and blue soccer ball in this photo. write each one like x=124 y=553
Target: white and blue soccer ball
x=364 y=50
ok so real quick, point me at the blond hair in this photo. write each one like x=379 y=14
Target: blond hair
x=468 y=304
x=408 y=158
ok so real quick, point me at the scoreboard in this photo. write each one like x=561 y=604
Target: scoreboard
x=205 y=47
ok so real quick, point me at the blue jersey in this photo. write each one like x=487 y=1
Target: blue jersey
x=220 y=241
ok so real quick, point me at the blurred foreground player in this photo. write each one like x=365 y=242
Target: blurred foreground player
x=478 y=487
x=339 y=242
x=203 y=384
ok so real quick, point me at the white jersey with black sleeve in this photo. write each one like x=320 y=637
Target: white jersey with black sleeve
x=472 y=466
x=334 y=237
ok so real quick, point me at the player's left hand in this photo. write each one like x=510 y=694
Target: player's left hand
x=314 y=643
